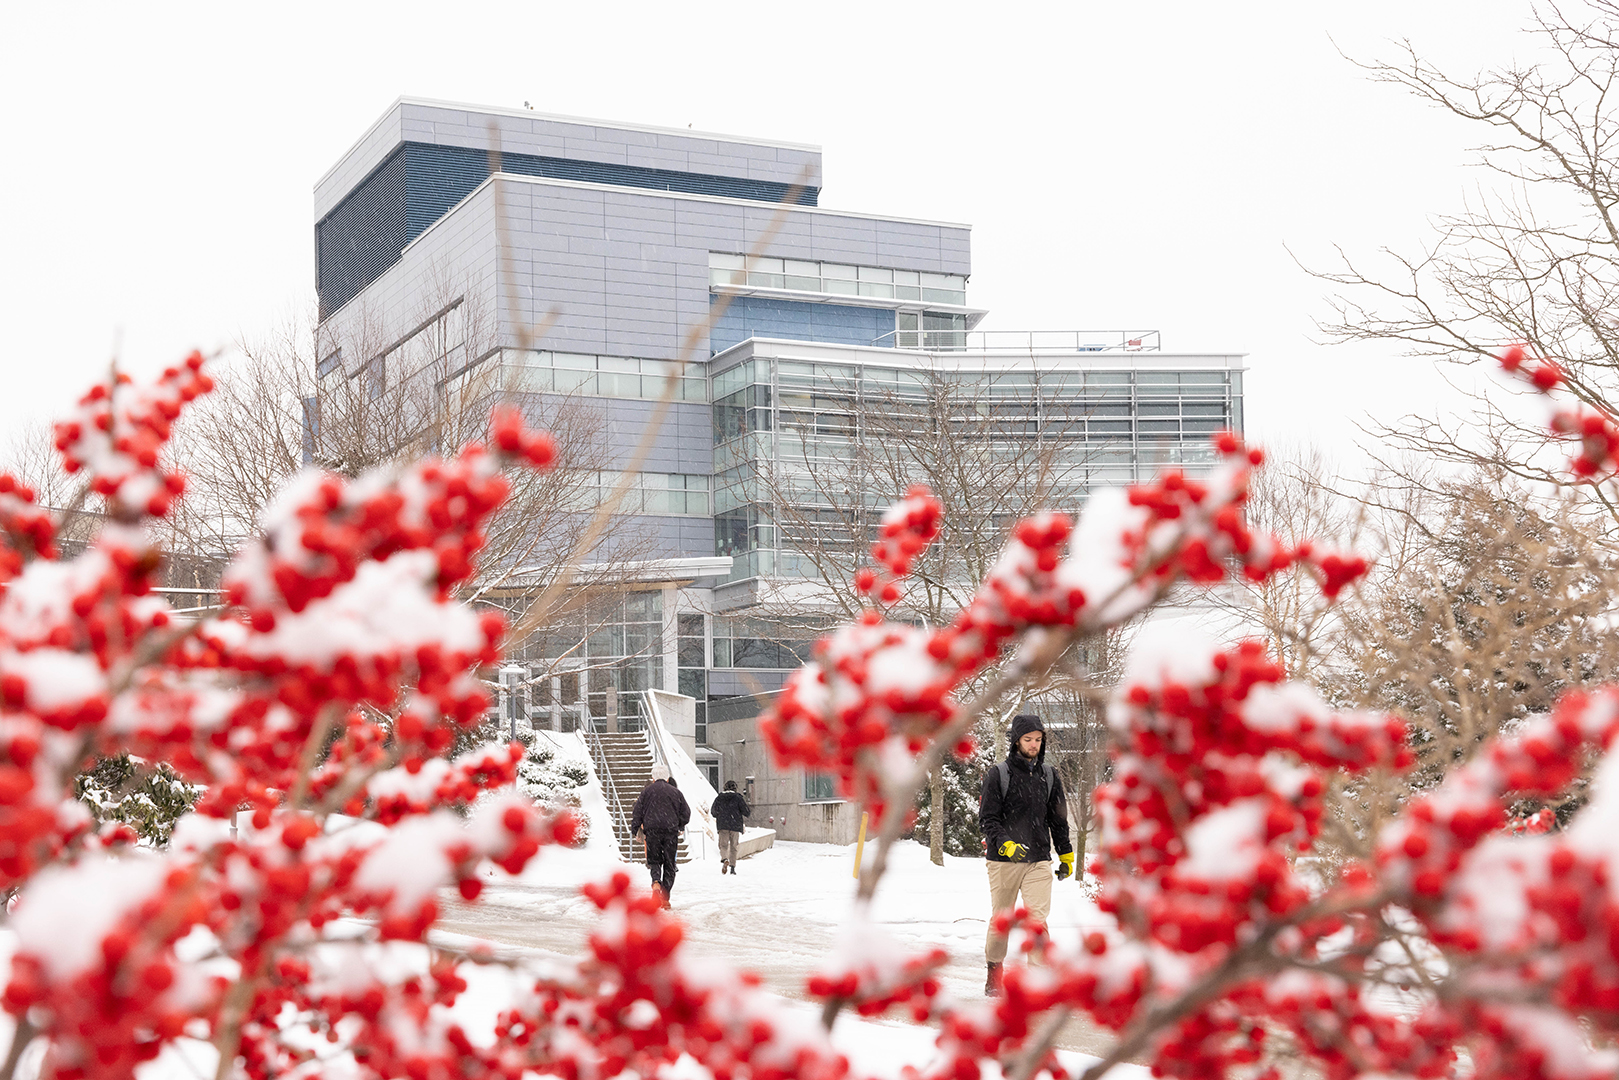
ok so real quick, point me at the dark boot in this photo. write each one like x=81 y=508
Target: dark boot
x=992 y=982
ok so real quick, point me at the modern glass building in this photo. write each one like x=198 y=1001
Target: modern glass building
x=497 y=251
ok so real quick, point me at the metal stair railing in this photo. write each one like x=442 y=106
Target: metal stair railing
x=604 y=772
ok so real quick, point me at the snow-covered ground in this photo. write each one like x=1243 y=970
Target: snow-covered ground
x=779 y=916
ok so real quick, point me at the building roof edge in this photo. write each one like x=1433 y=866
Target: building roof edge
x=617 y=125
x=496 y=110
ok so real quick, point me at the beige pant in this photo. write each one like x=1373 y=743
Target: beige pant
x=728 y=843
x=1006 y=881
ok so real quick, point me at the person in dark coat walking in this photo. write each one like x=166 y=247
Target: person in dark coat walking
x=1022 y=814
x=729 y=809
x=661 y=812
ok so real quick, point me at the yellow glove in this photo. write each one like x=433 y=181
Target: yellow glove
x=1067 y=866
x=1014 y=850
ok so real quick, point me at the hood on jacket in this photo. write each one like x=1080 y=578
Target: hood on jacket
x=1022 y=724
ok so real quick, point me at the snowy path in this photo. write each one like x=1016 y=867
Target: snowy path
x=778 y=916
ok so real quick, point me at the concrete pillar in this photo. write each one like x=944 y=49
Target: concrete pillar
x=671 y=639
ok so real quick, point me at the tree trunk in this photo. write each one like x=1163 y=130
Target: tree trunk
x=936 y=818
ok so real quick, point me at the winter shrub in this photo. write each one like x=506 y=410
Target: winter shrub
x=553 y=781
x=148 y=798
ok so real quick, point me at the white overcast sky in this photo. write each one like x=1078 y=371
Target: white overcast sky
x=1123 y=165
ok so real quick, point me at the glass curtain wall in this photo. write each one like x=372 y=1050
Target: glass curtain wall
x=802 y=425
x=589 y=666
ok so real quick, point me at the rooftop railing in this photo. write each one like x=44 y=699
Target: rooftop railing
x=1023 y=341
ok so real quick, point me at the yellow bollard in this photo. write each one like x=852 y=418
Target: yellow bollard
x=860 y=845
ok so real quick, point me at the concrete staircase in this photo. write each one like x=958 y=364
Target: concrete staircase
x=624 y=765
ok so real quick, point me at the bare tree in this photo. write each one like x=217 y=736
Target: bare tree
x=1076 y=730
x=31 y=456
x=1297 y=497
x=1532 y=258
x=372 y=394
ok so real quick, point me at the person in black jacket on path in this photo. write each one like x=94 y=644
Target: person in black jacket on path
x=662 y=813
x=729 y=809
x=1022 y=814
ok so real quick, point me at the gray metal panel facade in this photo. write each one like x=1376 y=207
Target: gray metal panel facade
x=627 y=272
x=522 y=132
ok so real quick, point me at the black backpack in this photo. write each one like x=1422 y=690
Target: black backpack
x=1006 y=779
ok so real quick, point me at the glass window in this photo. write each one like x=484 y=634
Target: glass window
x=693 y=683
x=529 y=380
x=819 y=787
x=565 y=379
x=730 y=417
x=837 y=278
x=733 y=535
x=805 y=276
x=731 y=378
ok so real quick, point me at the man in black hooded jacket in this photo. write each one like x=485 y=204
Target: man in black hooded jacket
x=662 y=812
x=1023 y=815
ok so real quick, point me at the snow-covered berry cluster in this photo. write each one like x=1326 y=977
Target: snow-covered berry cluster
x=313 y=712
x=640 y=1001
x=906 y=530
x=119 y=431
